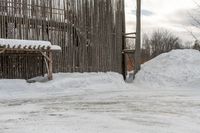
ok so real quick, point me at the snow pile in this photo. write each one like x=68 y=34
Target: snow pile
x=176 y=68
x=63 y=83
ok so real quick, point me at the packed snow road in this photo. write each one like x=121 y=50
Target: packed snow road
x=109 y=107
x=101 y=103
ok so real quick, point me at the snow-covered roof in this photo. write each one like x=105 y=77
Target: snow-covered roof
x=27 y=44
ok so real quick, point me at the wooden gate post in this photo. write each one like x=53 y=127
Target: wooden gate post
x=138 y=39
x=124 y=63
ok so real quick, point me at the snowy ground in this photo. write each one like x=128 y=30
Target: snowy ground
x=104 y=103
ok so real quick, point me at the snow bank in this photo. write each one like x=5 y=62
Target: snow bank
x=63 y=83
x=176 y=68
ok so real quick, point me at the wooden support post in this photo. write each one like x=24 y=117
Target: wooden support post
x=138 y=39
x=48 y=57
x=124 y=63
x=50 y=64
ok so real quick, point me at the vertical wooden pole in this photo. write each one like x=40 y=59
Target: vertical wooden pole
x=138 y=39
x=50 y=64
x=124 y=65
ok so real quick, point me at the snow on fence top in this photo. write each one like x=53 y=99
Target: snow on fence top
x=27 y=44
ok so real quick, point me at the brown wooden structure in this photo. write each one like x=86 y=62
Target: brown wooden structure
x=39 y=49
x=90 y=33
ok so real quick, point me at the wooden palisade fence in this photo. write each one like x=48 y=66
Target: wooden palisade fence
x=90 y=33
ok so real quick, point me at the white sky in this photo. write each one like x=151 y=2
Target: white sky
x=169 y=14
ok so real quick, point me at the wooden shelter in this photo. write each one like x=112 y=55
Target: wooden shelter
x=12 y=47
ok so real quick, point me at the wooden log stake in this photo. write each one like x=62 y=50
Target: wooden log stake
x=50 y=64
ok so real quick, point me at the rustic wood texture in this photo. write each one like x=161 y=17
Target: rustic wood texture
x=138 y=39
x=90 y=33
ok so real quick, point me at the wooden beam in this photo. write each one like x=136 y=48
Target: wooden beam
x=124 y=63
x=128 y=51
x=33 y=21
x=2 y=51
x=132 y=33
x=138 y=39
x=43 y=53
x=50 y=64
x=130 y=37
x=24 y=50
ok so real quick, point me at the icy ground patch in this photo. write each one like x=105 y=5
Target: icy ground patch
x=99 y=103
